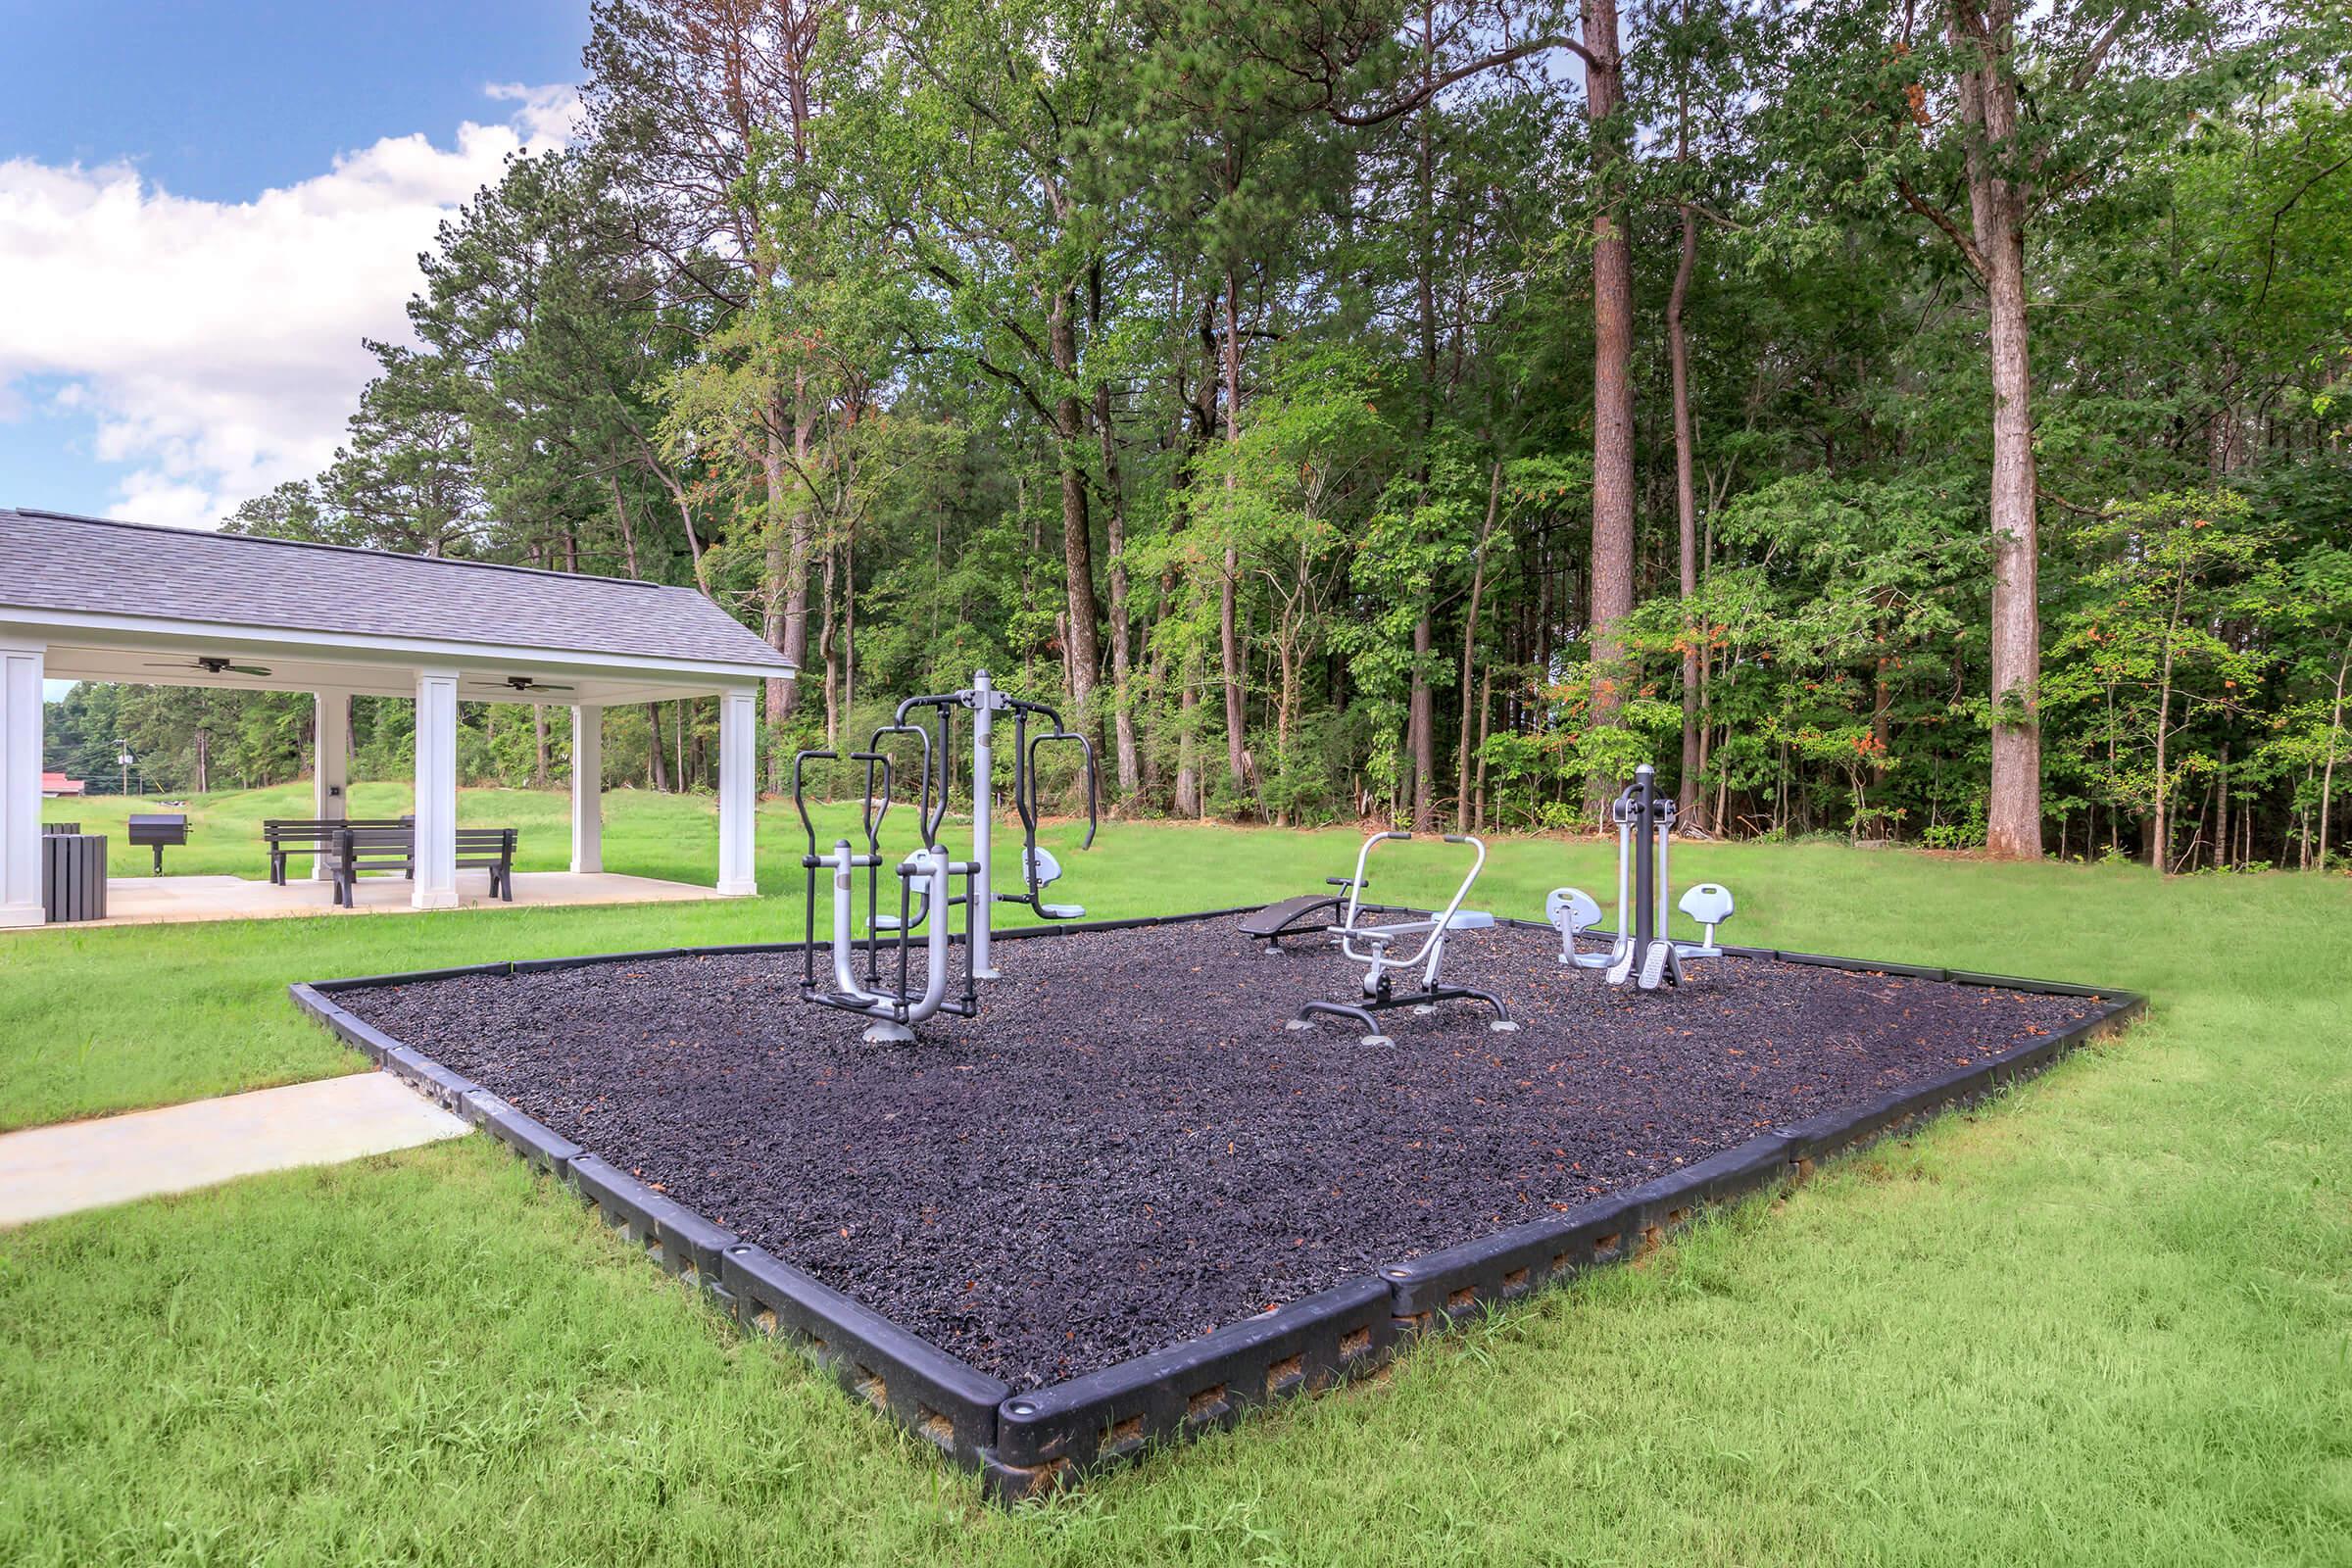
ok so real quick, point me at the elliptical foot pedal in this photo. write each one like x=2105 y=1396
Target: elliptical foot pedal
x=1653 y=964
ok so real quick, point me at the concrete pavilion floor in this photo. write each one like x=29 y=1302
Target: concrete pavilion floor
x=164 y=899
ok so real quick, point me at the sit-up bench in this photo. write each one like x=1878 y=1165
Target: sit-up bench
x=1308 y=915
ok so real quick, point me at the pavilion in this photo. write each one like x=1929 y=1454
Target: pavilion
x=93 y=598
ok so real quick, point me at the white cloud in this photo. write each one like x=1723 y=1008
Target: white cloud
x=549 y=114
x=214 y=347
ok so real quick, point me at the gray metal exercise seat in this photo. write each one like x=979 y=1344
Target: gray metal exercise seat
x=1308 y=915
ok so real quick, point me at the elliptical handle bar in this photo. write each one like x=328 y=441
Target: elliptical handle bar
x=1093 y=782
x=923 y=817
x=800 y=799
x=868 y=815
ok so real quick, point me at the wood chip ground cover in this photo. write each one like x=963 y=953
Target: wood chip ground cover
x=1127 y=1149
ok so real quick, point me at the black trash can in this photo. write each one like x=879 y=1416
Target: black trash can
x=72 y=876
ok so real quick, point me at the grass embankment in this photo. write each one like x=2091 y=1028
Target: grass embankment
x=2104 y=1320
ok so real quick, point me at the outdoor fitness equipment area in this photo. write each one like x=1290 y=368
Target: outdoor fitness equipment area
x=927 y=878
x=1124 y=1204
x=1377 y=952
x=1640 y=949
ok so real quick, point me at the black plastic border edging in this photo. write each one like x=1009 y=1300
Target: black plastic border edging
x=1035 y=1442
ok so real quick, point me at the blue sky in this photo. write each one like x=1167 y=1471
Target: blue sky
x=203 y=205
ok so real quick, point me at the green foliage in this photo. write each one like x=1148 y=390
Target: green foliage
x=924 y=329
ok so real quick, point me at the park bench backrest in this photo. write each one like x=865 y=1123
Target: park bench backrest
x=309 y=829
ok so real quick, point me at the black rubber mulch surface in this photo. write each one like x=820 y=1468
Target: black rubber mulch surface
x=1127 y=1149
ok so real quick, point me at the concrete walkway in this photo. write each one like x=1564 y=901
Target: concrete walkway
x=46 y=1171
x=166 y=899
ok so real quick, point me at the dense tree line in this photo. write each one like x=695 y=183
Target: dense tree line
x=1896 y=420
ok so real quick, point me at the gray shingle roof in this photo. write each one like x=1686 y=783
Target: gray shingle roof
x=51 y=561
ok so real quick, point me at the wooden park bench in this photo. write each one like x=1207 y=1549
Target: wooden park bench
x=491 y=848
x=358 y=847
x=307 y=835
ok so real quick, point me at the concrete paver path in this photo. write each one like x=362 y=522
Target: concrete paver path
x=46 y=1171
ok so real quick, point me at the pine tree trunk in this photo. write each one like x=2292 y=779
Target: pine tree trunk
x=1613 y=561
x=1122 y=651
x=1420 y=734
x=1228 y=633
x=1686 y=509
x=1188 y=759
x=2335 y=728
x=1478 y=588
x=828 y=654
x=1082 y=651
x=785 y=620
x=1486 y=710
x=1996 y=205
x=800 y=543
x=1420 y=721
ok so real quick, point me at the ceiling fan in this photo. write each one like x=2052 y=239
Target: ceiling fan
x=524 y=683
x=213 y=665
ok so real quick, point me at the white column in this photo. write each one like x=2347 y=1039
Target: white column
x=738 y=795
x=21 y=666
x=436 y=789
x=330 y=768
x=587 y=789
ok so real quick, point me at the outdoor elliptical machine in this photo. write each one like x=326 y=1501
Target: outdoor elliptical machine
x=1639 y=949
x=1379 y=992
x=931 y=884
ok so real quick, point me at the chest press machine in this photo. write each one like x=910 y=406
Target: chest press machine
x=1380 y=949
x=931 y=884
x=1640 y=949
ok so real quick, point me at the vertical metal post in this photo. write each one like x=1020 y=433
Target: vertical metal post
x=1646 y=869
x=983 y=808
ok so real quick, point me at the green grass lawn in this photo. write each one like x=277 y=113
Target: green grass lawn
x=2106 y=1319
